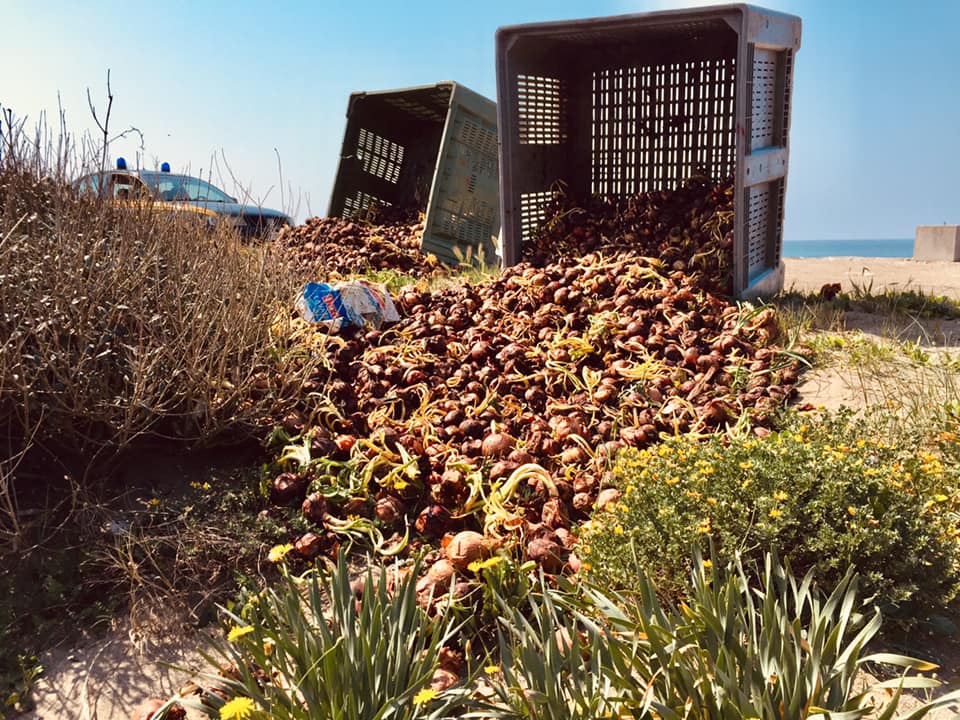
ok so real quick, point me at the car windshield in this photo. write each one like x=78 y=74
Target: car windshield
x=183 y=188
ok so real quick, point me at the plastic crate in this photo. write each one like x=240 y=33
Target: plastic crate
x=431 y=148
x=619 y=105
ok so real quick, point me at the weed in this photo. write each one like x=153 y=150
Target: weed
x=309 y=648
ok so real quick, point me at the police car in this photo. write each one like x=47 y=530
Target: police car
x=171 y=191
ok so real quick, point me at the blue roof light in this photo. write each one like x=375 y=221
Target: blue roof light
x=165 y=167
x=121 y=164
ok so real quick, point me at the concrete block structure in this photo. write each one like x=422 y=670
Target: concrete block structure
x=937 y=242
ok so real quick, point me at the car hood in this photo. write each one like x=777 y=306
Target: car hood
x=237 y=209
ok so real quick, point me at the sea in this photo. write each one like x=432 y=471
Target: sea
x=896 y=248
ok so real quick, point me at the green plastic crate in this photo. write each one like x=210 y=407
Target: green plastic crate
x=431 y=148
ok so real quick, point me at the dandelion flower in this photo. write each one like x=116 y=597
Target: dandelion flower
x=707 y=564
x=618 y=530
x=774 y=513
x=491 y=669
x=240 y=708
x=478 y=565
x=424 y=696
x=278 y=552
x=238 y=631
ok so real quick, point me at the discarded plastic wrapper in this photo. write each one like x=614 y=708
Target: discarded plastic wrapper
x=347 y=303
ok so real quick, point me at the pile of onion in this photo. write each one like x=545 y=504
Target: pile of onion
x=511 y=396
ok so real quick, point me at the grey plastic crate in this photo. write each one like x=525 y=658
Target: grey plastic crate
x=431 y=148
x=619 y=105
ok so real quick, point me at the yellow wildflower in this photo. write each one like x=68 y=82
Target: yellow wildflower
x=707 y=564
x=693 y=494
x=424 y=696
x=851 y=510
x=705 y=527
x=672 y=481
x=478 y=565
x=774 y=513
x=618 y=530
x=491 y=669
x=239 y=708
x=238 y=631
x=154 y=502
x=780 y=496
x=711 y=501
x=400 y=484
x=278 y=552
x=268 y=647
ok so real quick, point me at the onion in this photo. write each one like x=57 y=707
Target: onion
x=546 y=553
x=309 y=545
x=464 y=548
x=497 y=445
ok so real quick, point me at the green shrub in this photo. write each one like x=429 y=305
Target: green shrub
x=822 y=492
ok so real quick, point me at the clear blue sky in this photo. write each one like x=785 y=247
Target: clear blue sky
x=875 y=140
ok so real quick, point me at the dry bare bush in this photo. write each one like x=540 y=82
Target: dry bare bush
x=119 y=322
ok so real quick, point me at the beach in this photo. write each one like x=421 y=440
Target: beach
x=873 y=274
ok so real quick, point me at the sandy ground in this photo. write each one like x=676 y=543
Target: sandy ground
x=106 y=678
x=876 y=274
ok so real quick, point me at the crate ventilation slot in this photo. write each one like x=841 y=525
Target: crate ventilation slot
x=420 y=110
x=476 y=136
x=542 y=116
x=469 y=227
x=654 y=126
x=533 y=211
x=379 y=157
x=360 y=202
x=764 y=99
x=758 y=228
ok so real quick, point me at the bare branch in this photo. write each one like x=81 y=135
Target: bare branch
x=129 y=131
x=283 y=204
x=105 y=125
